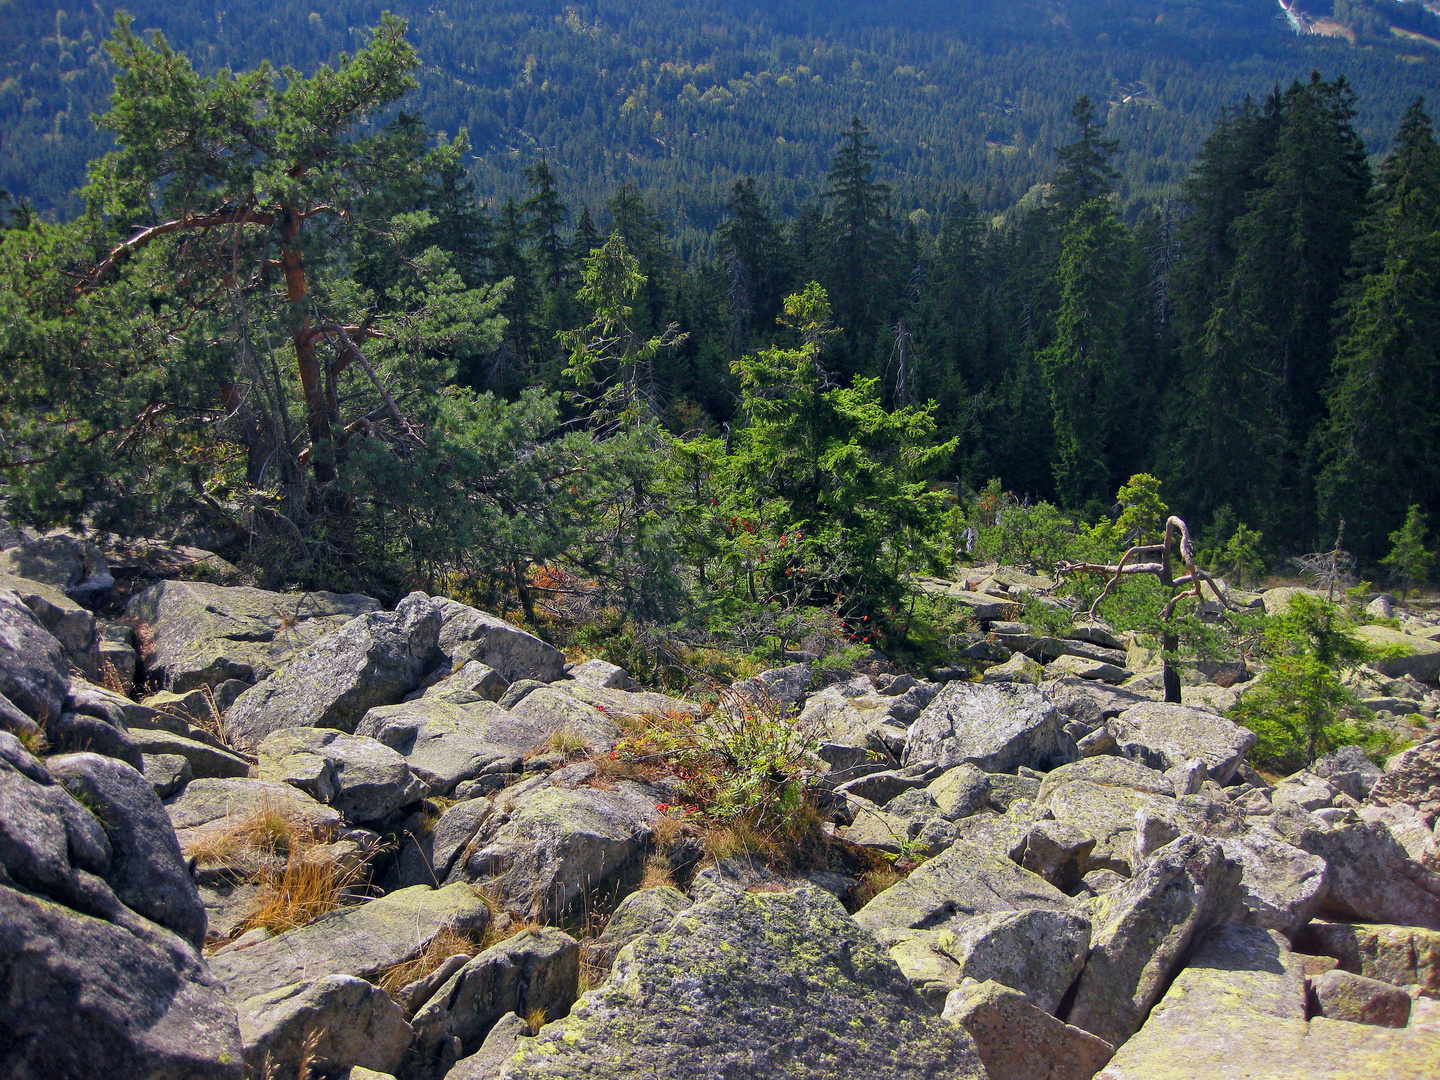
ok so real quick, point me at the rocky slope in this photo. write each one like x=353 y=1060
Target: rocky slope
x=336 y=840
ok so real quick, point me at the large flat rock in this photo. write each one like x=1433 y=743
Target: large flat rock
x=756 y=985
x=995 y=727
x=1420 y=657
x=1281 y=886
x=205 y=634
x=1018 y=1041
x=964 y=881
x=360 y=777
x=72 y=625
x=1142 y=930
x=445 y=743
x=374 y=659
x=215 y=803
x=362 y=941
x=83 y=997
x=470 y=634
x=553 y=845
x=1163 y=735
x=1372 y=877
x=1398 y=955
x=1238 y=1010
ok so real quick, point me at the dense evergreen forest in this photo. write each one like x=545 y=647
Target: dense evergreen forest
x=293 y=324
x=684 y=97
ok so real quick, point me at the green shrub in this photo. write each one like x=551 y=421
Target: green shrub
x=1300 y=708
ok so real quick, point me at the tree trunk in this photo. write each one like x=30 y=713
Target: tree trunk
x=312 y=383
x=1172 y=676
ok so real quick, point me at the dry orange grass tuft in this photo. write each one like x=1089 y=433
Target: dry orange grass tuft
x=591 y=973
x=211 y=723
x=266 y=833
x=667 y=830
x=735 y=839
x=34 y=741
x=871 y=884
x=565 y=740
x=534 y=1021
x=110 y=679
x=300 y=873
x=447 y=943
x=506 y=926
x=657 y=872
x=270 y=1070
x=311 y=884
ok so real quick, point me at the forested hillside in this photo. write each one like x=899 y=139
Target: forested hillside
x=683 y=98
x=293 y=325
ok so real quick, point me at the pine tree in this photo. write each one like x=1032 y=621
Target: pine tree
x=1381 y=442
x=202 y=156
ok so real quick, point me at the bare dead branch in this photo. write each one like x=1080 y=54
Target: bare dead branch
x=243 y=214
x=353 y=350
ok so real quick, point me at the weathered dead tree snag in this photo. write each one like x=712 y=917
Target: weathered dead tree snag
x=1159 y=565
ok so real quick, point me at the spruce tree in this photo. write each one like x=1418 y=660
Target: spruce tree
x=1381 y=442
x=753 y=257
x=1409 y=560
x=1252 y=395
x=1083 y=167
x=515 y=361
x=858 y=243
x=546 y=217
x=1082 y=367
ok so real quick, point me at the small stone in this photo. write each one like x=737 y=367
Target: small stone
x=1341 y=995
x=1038 y=953
x=168 y=773
x=1058 y=852
x=602 y=673
x=1017 y=1041
x=1189 y=777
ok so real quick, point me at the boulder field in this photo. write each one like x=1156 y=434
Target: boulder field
x=337 y=840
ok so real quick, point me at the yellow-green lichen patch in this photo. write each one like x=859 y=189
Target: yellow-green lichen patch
x=762 y=985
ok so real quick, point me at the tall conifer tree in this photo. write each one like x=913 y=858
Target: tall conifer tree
x=1252 y=392
x=1381 y=443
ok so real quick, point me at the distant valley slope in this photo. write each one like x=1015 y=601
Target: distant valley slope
x=683 y=96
